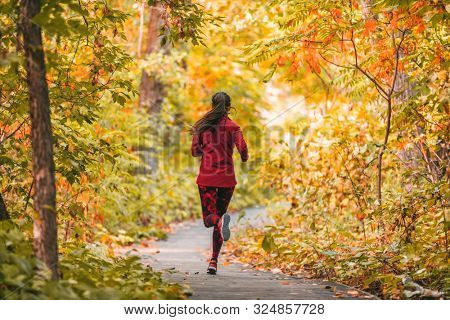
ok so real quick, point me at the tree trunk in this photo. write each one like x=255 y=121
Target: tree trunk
x=151 y=89
x=366 y=8
x=141 y=28
x=45 y=226
x=4 y=215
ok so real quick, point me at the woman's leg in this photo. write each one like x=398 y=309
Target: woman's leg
x=208 y=198
x=223 y=200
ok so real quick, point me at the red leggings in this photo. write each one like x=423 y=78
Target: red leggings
x=215 y=201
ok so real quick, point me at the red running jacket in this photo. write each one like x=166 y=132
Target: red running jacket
x=216 y=148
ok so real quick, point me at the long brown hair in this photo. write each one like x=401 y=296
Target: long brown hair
x=220 y=106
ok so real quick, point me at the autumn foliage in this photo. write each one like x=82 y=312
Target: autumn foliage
x=366 y=182
x=360 y=185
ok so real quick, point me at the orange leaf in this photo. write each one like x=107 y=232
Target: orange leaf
x=336 y=13
x=293 y=68
x=420 y=28
x=360 y=215
x=394 y=20
x=370 y=26
x=281 y=61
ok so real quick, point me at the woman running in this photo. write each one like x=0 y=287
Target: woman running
x=214 y=137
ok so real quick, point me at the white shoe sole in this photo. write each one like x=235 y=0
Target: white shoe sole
x=211 y=270
x=226 y=232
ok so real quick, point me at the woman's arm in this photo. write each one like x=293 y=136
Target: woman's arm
x=241 y=145
x=196 y=147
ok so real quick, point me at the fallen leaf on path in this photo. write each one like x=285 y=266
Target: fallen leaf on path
x=276 y=270
x=145 y=244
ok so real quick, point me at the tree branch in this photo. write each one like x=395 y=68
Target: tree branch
x=397 y=58
x=14 y=132
x=372 y=79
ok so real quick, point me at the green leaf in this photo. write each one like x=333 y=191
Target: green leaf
x=269 y=75
x=268 y=243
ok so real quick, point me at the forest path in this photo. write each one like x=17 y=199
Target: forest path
x=184 y=257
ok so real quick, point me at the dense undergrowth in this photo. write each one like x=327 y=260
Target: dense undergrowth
x=328 y=226
x=88 y=271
